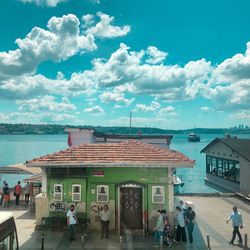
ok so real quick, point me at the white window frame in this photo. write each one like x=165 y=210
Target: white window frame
x=80 y=193
x=106 y=187
x=154 y=188
x=61 y=193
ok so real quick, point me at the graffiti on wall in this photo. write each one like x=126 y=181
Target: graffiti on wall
x=59 y=206
x=97 y=210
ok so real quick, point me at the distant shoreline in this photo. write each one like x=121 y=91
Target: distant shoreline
x=54 y=129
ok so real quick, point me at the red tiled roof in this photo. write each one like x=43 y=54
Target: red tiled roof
x=127 y=153
x=34 y=179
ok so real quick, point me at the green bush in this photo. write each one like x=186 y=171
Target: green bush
x=58 y=220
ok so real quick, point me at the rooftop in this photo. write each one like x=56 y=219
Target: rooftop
x=127 y=153
x=241 y=146
x=34 y=179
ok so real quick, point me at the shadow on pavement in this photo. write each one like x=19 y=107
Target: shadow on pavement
x=27 y=216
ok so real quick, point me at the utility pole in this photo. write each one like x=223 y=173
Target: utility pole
x=130 y=122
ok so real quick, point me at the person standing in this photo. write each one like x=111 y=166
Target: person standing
x=6 y=194
x=105 y=217
x=182 y=206
x=1 y=192
x=237 y=223
x=181 y=233
x=159 y=228
x=17 y=192
x=190 y=219
x=27 y=193
x=71 y=222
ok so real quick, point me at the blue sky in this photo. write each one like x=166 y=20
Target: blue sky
x=174 y=64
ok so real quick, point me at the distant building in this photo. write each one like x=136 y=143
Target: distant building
x=228 y=163
x=85 y=136
x=133 y=178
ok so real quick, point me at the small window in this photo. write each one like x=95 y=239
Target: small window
x=102 y=193
x=58 y=192
x=158 y=194
x=76 y=192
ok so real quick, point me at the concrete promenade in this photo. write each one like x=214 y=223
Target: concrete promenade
x=211 y=216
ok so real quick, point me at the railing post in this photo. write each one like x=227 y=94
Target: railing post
x=245 y=240
x=208 y=241
x=82 y=239
x=121 y=243
x=42 y=242
x=161 y=242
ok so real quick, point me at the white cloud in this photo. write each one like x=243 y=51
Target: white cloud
x=242 y=115
x=144 y=108
x=159 y=122
x=107 y=97
x=104 y=28
x=88 y=20
x=124 y=71
x=61 y=41
x=39 y=118
x=155 y=55
x=52 y=3
x=205 y=110
x=127 y=72
x=27 y=86
x=45 y=103
x=167 y=82
x=94 y=110
x=167 y=111
x=49 y=3
x=155 y=104
x=233 y=69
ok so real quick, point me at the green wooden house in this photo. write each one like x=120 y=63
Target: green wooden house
x=133 y=178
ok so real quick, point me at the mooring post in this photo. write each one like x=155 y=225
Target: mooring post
x=161 y=242
x=208 y=241
x=42 y=242
x=245 y=240
x=82 y=238
x=121 y=244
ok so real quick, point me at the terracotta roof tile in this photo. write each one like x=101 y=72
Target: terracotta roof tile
x=128 y=152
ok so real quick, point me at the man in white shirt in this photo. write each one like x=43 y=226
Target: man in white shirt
x=181 y=233
x=71 y=221
x=237 y=223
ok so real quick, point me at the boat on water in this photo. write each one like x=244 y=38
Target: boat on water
x=192 y=137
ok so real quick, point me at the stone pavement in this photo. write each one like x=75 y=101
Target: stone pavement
x=211 y=216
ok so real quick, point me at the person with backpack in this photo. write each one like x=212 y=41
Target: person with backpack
x=17 y=192
x=6 y=194
x=190 y=219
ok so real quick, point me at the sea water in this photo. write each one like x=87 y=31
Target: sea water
x=19 y=148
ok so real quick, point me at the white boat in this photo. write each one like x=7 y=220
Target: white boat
x=193 y=137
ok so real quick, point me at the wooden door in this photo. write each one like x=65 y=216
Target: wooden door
x=131 y=207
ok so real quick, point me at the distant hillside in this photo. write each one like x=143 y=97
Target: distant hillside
x=59 y=129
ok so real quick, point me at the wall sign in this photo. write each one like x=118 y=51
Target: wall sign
x=98 y=173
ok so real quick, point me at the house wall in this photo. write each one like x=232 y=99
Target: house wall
x=67 y=193
x=113 y=177
x=244 y=176
x=222 y=151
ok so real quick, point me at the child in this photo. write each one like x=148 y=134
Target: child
x=167 y=231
